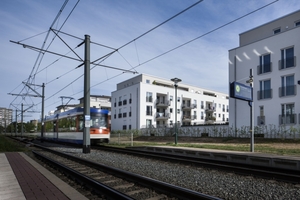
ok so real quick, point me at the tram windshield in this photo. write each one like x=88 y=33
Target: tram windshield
x=98 y=121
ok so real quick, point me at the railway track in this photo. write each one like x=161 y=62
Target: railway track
x=112 y=183
x=279 y=174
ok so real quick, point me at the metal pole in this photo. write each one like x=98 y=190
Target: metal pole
x=16 y=123
x=252 y=113
x=86 y=102
x=175 y=113
x=22 y=120
x=42 y=117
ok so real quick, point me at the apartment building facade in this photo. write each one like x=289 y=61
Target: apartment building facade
x=148 y=101
x=272 y=51
x=5 y=117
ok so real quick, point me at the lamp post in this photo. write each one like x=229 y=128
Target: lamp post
x=175 y=80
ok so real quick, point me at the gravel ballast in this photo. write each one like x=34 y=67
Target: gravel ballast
x=212 y=182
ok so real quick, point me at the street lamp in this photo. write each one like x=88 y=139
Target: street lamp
x=175 y=80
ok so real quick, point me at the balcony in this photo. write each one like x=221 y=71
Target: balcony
x=287 y=63
x=210 y=120
x=264 y=94
x=288 y=119
x=163 y=116
x=287 y=91
x=186 y=106
x=261 y=69
x=186 y=118
x=165 y=103
x=210 y=109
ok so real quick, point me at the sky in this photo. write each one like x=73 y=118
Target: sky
x=192 y=46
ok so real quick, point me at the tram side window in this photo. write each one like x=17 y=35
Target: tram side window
x=80 y=124
x=67 y=124
x=72 y=123
x=49 y=126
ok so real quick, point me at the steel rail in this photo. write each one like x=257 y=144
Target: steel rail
x=173 y=190
x=96 y=186
x=280 y=174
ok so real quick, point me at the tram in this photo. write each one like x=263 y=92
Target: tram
x=68 y=126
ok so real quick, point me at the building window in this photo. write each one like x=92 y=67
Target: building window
x=171 y=110
x=148 y=110
x=264 y=64
x=124 y=127
x=223 y=109
x=147 y=81
x=120 y=101
x=171 y=98
x=148 y=123
x=265 y=91
x=287 y=86
x=287 y=58
x=129 y=127
x=261 y=117
x=178 y=99
x=276 y=31
x=287 y=114
x=149 y=97
x=202 y=105
x=202 y=115
x=297 y=23
x=178 y=111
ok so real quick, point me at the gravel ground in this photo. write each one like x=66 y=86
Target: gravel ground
x=220 y=184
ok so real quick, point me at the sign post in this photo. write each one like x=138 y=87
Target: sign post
x=245 y=93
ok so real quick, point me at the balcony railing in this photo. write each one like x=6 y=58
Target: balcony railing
x=265 y=68
x=287 y=91
x=162 y=115
x=186 y=106
x=210 y=109
x=164 y=103
x=264 y=94
x=148 y=112
x=186 y=118
x=287 y=63
x=288 y=119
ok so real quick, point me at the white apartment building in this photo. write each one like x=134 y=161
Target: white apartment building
x=272 y=51
x=146 y=100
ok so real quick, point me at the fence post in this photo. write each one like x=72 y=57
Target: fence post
x=131 y=139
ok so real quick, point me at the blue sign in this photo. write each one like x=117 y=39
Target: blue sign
x=241 y=91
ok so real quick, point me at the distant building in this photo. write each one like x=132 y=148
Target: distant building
x=148 y=101
x=272 y=51
x=5 y=116
x=96 y=101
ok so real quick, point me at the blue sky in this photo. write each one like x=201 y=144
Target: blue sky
x=202 y=63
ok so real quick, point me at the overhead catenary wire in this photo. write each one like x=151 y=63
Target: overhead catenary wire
x=179 y=46
x=140 y=64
